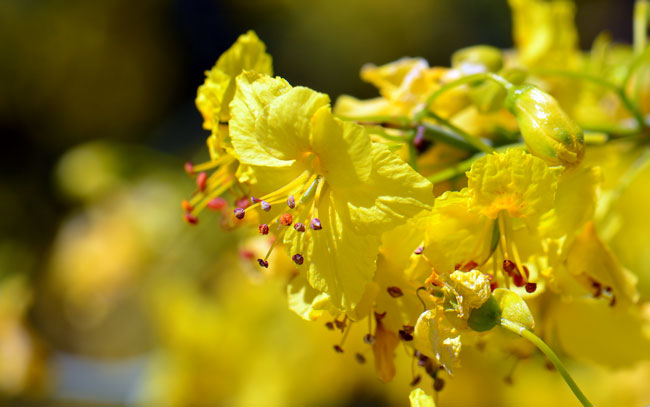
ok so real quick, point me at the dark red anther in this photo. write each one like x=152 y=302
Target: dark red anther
x=527 y=272
x=315 y=224
x=470 y=266
x=255 y=200
x=187 y=207
x=494 y=286
x=338 y=349
x=263 y=263
x=189 y=168
x=457 y=266
x=298 y=259
x=438 y=384
x=263 y=228
x=291 y=202
x=265 y=206
x=191 y=219
x=531 y=287
x=408 y=329
x=403 y=335
x=239 y=213
x=242 y=203
x=201 y=181
x=518 y=280
x=330 y=325
x=394 y=292
x=419 y=250
x=369 y=339
x=598 y=289
x=415 y=381
x=360 y=358
x=300 y=227
x=286 y=219
x=217 y=203
x=509 y=266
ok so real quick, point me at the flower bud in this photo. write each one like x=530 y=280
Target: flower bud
x=486 y=317
x=489 y=96
x=477 y=59
x=548 y=131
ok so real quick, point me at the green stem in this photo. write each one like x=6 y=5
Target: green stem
x=435 y=133
x=546 y=350
x=473 y=141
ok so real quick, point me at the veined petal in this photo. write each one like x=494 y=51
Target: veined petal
x=254 y=93
x=471 y=289
x=304 y=300
x=418 y=398
x=348 y=106
x=436 y=338
x=515 y=182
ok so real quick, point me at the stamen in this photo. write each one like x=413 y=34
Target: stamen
x=298 y=259
x=191 y=219
x=338 y=349
x=394 y=292
x=286 y=219
x=419 y=250
x=291 y=202
x=201 y=181
x=263 y=228
x=263 y=263
x=217 y=203
x=438 y=384
x=187 y=207
x=189 y=168
x=360 y=358
x=405 y=336
x=509 y=267
x=415 y=381
x=239 y=213
x=315 y=224
x=266 y=206
x=300 y=227
x=531 y=287
x=330 y=325
x=369 y=339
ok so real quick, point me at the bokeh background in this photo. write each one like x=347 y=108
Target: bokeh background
x=106 y=296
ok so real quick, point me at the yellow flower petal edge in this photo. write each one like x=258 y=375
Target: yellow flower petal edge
x=418 y=398
x=516 y=182
x=214 y=96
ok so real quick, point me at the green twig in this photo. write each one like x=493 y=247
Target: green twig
x=546 y=350
x=468 y=138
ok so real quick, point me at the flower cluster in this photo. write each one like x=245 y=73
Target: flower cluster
x=461 y=199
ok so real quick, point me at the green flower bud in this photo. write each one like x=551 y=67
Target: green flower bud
x=486 y=317
x=548 y=131
x=479 y=58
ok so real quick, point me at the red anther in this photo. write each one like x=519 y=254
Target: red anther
x=457 y=266
x=330 y=325
x=415 y=381
x=394 y=292
x=509 y=266
x=247 y=254
x=291 y=202
x=191 y=219
x=470 y=266
x=419 y=250
x=360 y=358
x=527 y=272
x=369 y=339
x=239 y=213
x=438 y=384
x=186 y=206
x=405 y=336
x=217 y=203
x=494 y=286
x=189 y=168
x=265 y=206
x=255 y=200
x=598 y=289
x=531 y=287
x=315 y=224
x=263 y=263
x=263 y=228
x=298 y=259
x=338 y=349
x=242 y=203
x=409 y=329
x=201 y=181
x=518 y=280
x=286 y=219
x=300 y=227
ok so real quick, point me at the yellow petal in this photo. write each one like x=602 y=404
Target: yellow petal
x=418 y=398
x=436 y=338
x=305 y=301
x=515 y=182
x=383 y=348
x=348 y=106
x=471 y=289
x=514 y=308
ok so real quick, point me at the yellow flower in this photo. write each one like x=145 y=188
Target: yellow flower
x=471 y=290
x=339 y=191
x=436 y=338
x=418 y=398
x=214 y=96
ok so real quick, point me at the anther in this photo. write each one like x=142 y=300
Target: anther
x=239 y=213
x=263 y=228
x=493 y=286
x=315 y=224
x=419 y=250
x=470 y=266
x=338 y=349
x=187 y=207
x=189 y=168
x=408 y=329
x=340 y=324
x=201 y=181
x=531 y=287
x=509 y=267
x=191 y=219
x=298 y=259
x=415 y=381
x=438 y=384
x=405 y=336
x=394 y=292
x=266 y=206
x=242 y=203
x=598 y=289
x=527 y=272
x=330 y=325
x=291 y=202
x=419 y=141
x=263 y=263
x=255 y=200
x=518 y=280
x=300 y=227
x=217 y=203
x=286 y=219
x=369 y=339
x=360 y=358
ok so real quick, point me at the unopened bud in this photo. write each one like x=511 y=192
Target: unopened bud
x=548 y=131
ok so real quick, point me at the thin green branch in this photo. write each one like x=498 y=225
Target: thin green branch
x=468 y=138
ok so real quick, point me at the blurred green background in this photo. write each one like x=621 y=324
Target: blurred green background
x=105 y=294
